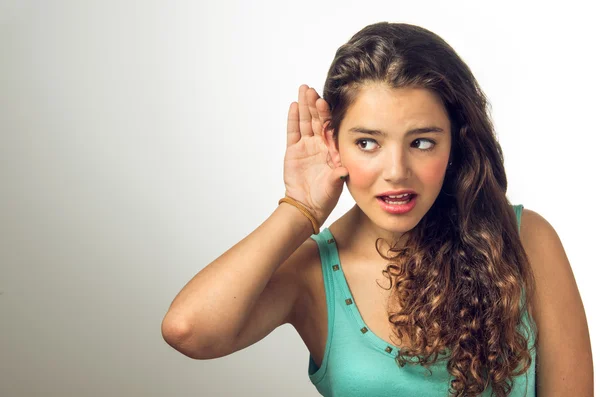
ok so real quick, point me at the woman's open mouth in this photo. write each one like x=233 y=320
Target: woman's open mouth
x=398 y=204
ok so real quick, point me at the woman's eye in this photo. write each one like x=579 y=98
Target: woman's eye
x=429 y=144
x=361 y=142
x=422 y=144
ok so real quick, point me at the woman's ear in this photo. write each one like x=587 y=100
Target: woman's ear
x=331 y=145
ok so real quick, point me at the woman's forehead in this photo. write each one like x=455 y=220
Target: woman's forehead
x=379 y=107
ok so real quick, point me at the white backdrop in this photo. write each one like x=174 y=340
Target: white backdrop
x=139 y=140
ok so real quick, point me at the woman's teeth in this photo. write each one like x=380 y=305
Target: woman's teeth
x=395 y=200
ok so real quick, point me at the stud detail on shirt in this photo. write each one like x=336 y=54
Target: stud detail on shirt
x=364 y=330
x=348 y=301
x=336 y=267
x=388 y=349
x=330 y=241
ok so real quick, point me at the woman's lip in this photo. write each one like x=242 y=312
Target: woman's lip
x=396 y=193
x=410 y=194
x=398 y=209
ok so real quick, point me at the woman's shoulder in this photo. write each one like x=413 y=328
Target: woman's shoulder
x=557 y=310
x=538 y=235
x=307 y=278
x=531 y=220
x=303 y=261
x=310 y=257
x=303 y=264
x=542 y=244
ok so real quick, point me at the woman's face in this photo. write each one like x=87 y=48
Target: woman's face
x=396 y=157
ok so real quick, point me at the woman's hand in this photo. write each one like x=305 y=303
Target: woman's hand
x=309 y=177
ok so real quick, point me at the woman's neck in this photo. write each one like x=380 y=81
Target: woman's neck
x=356 y=233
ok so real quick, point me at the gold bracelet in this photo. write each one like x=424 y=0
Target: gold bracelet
x=302 y=209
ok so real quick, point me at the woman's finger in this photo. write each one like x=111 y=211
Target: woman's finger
x=324 y=111
x=293 y=128
x=305 y=117
x=316 y=123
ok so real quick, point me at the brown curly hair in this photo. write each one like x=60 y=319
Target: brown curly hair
x=462 y=280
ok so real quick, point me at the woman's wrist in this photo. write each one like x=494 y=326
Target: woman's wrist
x=304 y=224
x=305 y=211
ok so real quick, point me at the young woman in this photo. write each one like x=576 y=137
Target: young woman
x=433 y=283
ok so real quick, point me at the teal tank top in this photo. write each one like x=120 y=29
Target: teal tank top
x=357 y=363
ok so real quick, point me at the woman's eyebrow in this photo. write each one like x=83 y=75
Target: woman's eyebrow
x=422 y=130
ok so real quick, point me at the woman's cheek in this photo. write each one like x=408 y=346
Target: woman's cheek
x=361 y=174
x=434 y=173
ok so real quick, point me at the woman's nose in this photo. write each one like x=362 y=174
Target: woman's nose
x=397 y=168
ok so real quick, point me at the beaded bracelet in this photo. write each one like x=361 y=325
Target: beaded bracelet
x=302 y=209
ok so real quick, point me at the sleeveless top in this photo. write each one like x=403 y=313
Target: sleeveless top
x=357 y=362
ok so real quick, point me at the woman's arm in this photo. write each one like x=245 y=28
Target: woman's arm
x=244 y=294
x=564 y=354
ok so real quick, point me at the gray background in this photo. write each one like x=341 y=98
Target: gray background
x=139 y=140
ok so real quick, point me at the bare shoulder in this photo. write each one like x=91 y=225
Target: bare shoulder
x=564 y=350
x=307 y=267
x=545 y=252
x=532 y=224
x=552 y=271
x=304 y=261
x=288 y=283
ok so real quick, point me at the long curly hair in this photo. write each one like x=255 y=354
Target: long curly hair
x=462 y=280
